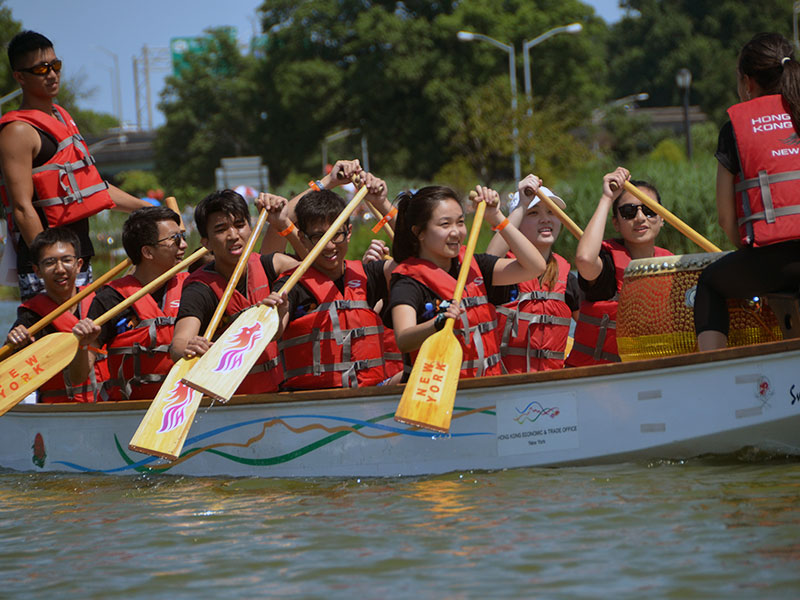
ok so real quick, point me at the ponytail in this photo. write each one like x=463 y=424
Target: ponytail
x=768 y=59
x=547 y=280
x=405 y=244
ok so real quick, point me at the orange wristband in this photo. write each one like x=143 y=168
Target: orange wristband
x=287 y=231
x=502 y=225
x=384 y=220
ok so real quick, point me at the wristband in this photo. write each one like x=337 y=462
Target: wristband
x=501 y=226
x=316 y=185
x=86 y=347
x=287 y=231
x=384 y=220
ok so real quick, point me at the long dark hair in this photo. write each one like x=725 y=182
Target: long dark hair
x=763 y=59
x=414 y=211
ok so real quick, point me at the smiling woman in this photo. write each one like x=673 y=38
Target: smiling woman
x=601 y=264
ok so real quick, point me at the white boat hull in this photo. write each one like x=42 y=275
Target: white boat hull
x=670 y=408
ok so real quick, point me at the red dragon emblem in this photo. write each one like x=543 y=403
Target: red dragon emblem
x=175 y=409
x=244 y=341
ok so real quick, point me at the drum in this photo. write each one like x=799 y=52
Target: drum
x=655 y=317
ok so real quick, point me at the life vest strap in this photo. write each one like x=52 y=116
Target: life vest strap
x=604 y=322
x=784 y=211
x=349 y=370
x=533 y=353
x=542 y=295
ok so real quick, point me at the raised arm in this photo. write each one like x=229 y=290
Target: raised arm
x=587 y=256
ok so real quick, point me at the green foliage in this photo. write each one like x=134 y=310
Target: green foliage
x=659 y=37
x=459 y=175
x=668 y=151
x=137 y=183
x=8 y=29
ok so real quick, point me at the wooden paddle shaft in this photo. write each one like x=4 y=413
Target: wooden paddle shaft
x=153 y=285
x=52 y=316
x=472 y=241
x=668 y=217
x=172 y=204
x=236 y=275
x=320 y=245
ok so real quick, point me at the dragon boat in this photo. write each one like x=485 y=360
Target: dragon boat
x=660 y=408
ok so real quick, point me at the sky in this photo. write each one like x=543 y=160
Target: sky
x=89 y=34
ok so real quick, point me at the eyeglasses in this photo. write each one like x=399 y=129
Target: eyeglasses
x=175 y=238
x=628 y=211
x=67 y=260
x=43 y=68
x=338 y=238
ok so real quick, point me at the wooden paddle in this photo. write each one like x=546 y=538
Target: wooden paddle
x=166 y=424
x=172 y=204
x=429 y=395
x=220 y=371
x=562 y=216
x=668 y=217
x=34 y=364
x=52 y=316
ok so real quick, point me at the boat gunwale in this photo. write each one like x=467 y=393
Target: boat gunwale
x=652 y=364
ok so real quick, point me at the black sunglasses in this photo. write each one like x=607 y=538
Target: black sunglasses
x=628 y=211
x=43 y=68
x=175 y=238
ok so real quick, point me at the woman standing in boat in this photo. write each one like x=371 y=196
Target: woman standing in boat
x=601 y=265
x=535 y=315
x=428 y=247
x=758 y=188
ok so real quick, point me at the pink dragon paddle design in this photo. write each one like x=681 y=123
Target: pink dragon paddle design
x=174 y=411
x=244 y=340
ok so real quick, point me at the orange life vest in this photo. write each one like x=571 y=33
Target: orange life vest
x=58 y=389
x=67 y=187
x=475 y=330
x=534 y=326
x=596 y=330
x=138 y=358
x=267 y=374
x=769 y=184
x=340 y=341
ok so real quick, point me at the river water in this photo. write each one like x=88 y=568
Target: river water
x=714 y=527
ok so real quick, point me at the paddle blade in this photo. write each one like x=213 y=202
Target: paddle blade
x=428 y=397
x=221 y=370
x=163 y=430
x=28 y=369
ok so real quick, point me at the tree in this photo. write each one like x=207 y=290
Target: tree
x=658 y=37
x=211 y=111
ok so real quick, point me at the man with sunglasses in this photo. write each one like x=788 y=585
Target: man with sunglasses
x=601 y=265
x=332 y=335
x=138 y=340
x=55 y=256
x=48 y=175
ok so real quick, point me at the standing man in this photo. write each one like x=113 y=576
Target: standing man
x=48 y=175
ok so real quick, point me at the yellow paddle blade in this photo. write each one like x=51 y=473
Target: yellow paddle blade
x=26 y=371
x=221 y=370
x=163 y=430
x=429 y=395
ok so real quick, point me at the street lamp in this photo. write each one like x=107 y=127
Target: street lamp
x=526 y=46
x=466 y=36
x=117 y=88
x=683 y=79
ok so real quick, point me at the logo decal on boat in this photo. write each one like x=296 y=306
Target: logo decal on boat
x=175 y=407
x=534 y=411
x=244 y=340
x=764 y=390
x=39 y=453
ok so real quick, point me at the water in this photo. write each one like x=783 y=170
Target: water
x=697 y=529
x=708 y=528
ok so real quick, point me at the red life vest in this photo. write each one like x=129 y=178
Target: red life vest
x=596 y=330
x=769 y=185
x=267 y=374
x=138 y=359
x=338 y=342
x=67 y=187
x=534 y=326
x=481 y=355
x=58 y=389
